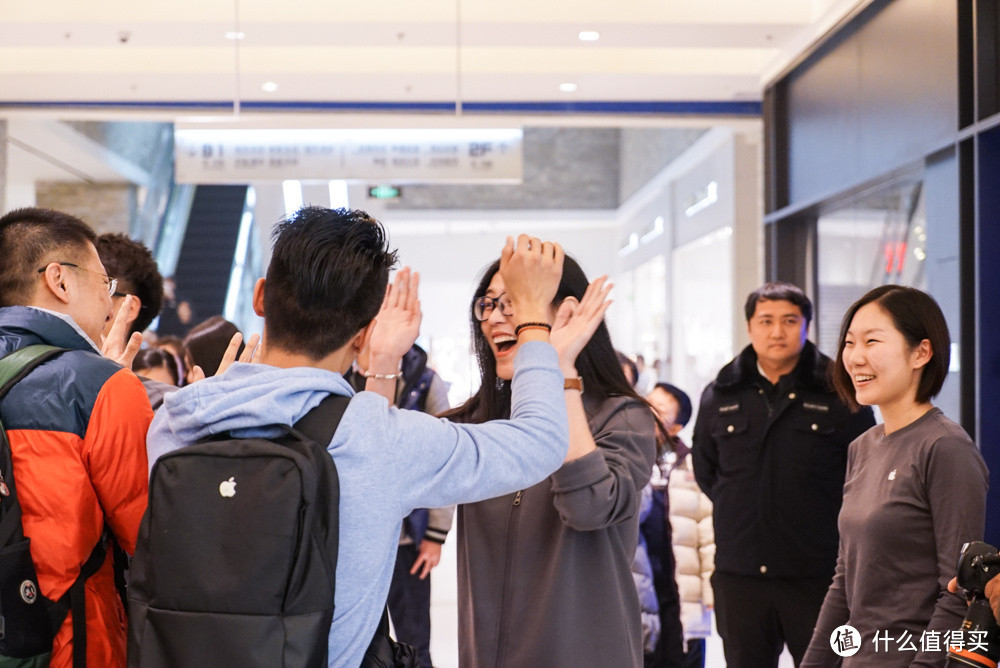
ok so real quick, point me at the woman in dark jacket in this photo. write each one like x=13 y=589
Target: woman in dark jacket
x=544 y=574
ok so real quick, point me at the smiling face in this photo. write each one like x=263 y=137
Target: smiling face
x=499 y=332
x=884 y=368
x=777 y=333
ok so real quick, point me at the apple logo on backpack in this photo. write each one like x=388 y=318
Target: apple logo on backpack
x=227 y=488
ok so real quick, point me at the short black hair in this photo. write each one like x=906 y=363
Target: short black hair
x=326 y=281
x=684 y=407
x=207 y=341
x=916 y=316
x=133 y=265
x=157 y=358
x=28 y=238
x=778 y=291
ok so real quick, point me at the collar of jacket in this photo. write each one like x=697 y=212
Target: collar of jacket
x=810 y=371
x=24 y=326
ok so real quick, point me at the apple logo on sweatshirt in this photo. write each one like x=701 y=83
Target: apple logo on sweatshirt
x=227 y=488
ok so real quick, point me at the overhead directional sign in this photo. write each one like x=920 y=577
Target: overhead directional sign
x=228 y=155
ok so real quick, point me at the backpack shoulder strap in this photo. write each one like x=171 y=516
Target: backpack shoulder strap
x=14 y=367
x=21 y=362
x=321 y=422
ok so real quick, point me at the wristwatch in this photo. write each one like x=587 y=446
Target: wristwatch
x=573 y=383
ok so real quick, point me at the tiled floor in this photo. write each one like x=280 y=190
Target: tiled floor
x=444 y=619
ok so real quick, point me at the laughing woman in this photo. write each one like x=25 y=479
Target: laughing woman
x=915 y=491
x=544 y=574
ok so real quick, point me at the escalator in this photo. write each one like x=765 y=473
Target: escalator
x=206 y=255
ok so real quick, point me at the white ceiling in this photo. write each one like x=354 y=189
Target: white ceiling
x=401 y=63
x=410 y=52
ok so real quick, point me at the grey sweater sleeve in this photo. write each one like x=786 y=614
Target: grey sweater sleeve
x=602 y=488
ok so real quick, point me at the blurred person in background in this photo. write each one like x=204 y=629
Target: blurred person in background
x=175 y=346
x=629 y=368
x=205 y=345
x=646 y=378
x=138 y=275
x=156 y=364
x=140 y=293
x=690 y=515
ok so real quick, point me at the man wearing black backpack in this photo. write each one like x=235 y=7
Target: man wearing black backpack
x=76 y=463
x=320 y=299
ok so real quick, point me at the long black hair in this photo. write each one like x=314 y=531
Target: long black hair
x=597 y=363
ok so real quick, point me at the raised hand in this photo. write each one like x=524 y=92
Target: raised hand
x=397 y=323
x=118 y=345
x=531 y=270
x=576 y=321
x=251 y=351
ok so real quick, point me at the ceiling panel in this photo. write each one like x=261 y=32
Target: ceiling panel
x=397 y=51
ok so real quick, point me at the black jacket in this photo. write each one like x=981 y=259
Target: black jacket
x=772 y=460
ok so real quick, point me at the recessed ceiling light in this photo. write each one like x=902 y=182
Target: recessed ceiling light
x=568 y=87
x=269 y=87
x=590 y=36
x=232 y=34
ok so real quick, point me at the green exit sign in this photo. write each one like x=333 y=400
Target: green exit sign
x=384 y=192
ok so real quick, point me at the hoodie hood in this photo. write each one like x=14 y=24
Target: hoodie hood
x=245 y=400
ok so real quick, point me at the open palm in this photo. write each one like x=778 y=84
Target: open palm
x=576 y=321
x=397 y=324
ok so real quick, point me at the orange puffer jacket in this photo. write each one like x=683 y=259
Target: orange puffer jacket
x=77 y=429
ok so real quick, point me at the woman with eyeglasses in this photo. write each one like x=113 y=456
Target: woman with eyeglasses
x=544 y=573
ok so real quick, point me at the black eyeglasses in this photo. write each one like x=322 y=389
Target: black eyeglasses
x=482 y=307
x=110 y=283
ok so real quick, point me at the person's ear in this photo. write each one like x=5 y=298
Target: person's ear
x=922 y=354
x=134 y=308
x=54 y=278
x=363 y=338
x=565 y=311
x=258 y=297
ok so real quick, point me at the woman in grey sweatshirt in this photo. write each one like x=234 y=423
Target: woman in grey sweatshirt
x=544 y=574
x=915 y=492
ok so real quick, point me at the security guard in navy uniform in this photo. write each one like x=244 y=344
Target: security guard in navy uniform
x=770 y=451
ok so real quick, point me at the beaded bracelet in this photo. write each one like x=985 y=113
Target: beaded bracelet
x=532 y=325
x=383 y=376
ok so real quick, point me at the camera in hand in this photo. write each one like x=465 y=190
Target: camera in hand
x=978 y=564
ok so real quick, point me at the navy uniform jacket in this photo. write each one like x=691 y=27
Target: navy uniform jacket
x=772 y=460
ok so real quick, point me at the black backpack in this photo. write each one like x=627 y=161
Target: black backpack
x=236 y=559
x=237 y=554
x=29 y=620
